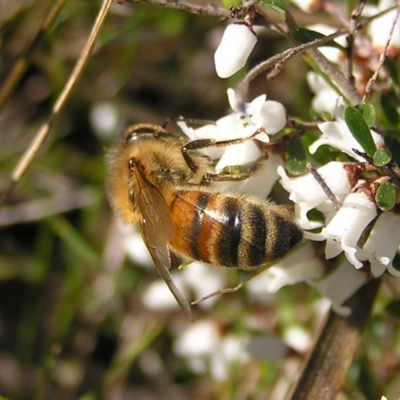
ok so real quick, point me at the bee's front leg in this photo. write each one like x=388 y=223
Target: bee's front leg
x=236 y=172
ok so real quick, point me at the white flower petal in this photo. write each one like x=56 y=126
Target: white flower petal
x=104 y=118
x=199 y=339
x=340 y=285
x=202 y=279
x=378 y=29
x=307 y=193
x=158 y=297
x=256 y=105
x=346 y=227
x=325 y=96
x=300 y=266
x=382 y=244
x=338 y=135
x=333 y=54
x=135 y=248
x=272 y=116
x=298 y=338
x=236 y=45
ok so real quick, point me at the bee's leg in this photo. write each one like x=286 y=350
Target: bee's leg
x=200 y=144
x=236 y=172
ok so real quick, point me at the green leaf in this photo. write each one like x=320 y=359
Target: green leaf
x=368 y=112
x=359 y=129
x=302 y=36
x=296 y=157
x=393 y=70
x=393 y=309
x=394 y=147
x=389 y=108
x=385 y=196
x=382 y=157
x=231 y=3
x=279 y=6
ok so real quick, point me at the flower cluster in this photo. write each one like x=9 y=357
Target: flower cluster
x=338 y=209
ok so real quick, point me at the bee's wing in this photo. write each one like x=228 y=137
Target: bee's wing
x=156 y=227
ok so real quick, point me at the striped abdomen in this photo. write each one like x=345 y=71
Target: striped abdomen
x=228 y=230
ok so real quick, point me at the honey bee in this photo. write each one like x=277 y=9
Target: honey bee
x=159 y=180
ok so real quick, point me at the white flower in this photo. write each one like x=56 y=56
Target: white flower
x=298 y=338
x=338 y=135
x=202 y=279
x=236 y=45
x=307 y=193
x=300 y=266
x=259 y=184
x=325 y=96
x=135 y=247
x=158 y=297
x=333 y=54
x=204 y=346
x=340 y=285
x=243 y=122
x=378 y=29
x=382 y=244
x=260 y=113
x=104 y=118
x=344 y=230
x=269 y=114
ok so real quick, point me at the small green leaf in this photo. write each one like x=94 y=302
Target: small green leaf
x=279 y=6
x=368 y=112
x=393 y=309
x=302 y=36
x=394 y=147
x=393 y=70
x=231 y=3
x=359 y=129
x=382 y=157
x=385 y=196
x=389 y=108
x=296 y=157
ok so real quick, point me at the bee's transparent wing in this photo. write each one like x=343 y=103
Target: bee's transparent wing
x=156 y=227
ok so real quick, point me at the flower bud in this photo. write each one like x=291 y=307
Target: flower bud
x=236 y=45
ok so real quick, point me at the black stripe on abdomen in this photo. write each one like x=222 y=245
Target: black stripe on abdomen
x=230 y=234
x=199 y=214
x=256 y=225
x=288 y=234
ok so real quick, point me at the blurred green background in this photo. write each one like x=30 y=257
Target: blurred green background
x=72 y=325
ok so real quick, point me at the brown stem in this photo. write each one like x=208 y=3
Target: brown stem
x=326 y=368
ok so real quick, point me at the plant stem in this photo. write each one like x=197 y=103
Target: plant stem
x=325 y=370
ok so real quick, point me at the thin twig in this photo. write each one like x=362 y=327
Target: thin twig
x=196 y=9
x=21 y=64
x=382 y=58
x=325 y=66
x=325 y=370
x=327 y=190
x=353 y=31
x=44 y=130
x=278 y=61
